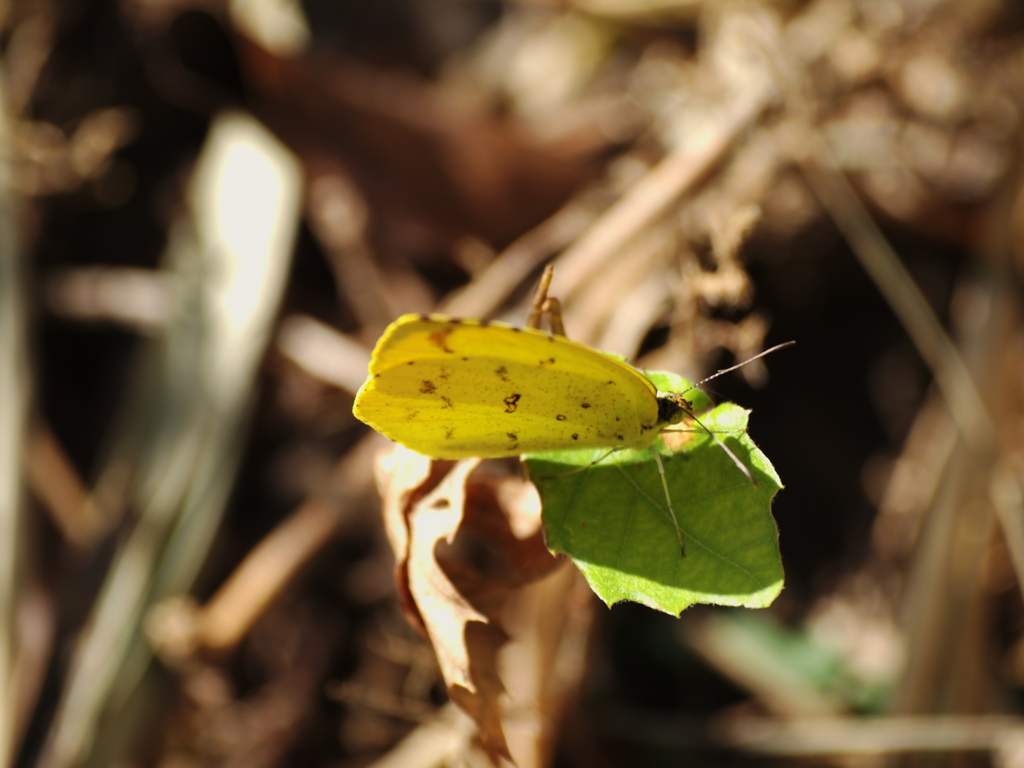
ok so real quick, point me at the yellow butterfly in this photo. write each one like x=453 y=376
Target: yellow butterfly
x=453 y=389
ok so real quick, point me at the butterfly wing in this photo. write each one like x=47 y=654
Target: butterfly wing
x=452 y=389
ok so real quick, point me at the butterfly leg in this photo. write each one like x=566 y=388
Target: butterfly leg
x=668 y=499
x=728 y=451
x=544 y=304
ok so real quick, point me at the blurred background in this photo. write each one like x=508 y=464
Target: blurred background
x=210 y=210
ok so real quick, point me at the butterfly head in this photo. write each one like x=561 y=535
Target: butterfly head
x=673 y=408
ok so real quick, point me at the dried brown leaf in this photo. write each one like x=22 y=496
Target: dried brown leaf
x=458 y=564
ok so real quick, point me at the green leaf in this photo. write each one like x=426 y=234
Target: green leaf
x=608 y=512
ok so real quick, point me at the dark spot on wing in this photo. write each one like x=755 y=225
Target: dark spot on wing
x=502 y=372
x=512 y=436
x=549 y=361
x=512 y=402
x=449 y=433
x=584 y=404
x=427 y=387
x=447 y=401
x=561 y=417
x=575 y=436
x=440 y=340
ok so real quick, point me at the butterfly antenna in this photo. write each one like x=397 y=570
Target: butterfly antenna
x=728 y=451
x=731 y=368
